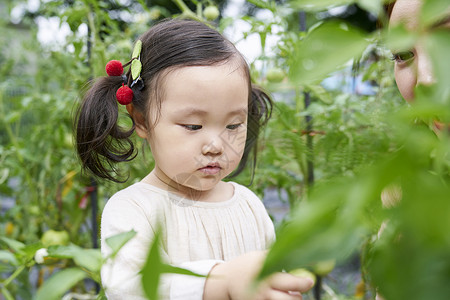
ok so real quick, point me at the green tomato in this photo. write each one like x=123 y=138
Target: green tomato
x=322 y=268
x=211 y=12
x=303 y=273
x=52 y=237
x=155 y=13
x=275 y=75
x=68 y=141
x=34 y=210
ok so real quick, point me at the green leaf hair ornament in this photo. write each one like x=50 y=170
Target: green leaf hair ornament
x=136 y=67
x=125 y=94
x=137 y=50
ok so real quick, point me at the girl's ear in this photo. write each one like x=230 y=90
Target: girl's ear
x=139 y=121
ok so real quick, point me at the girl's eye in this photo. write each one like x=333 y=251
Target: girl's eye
x=192 y=127
x=401 y=57
x=234 y=126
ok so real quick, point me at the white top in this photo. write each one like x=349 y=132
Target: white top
x=196 y=235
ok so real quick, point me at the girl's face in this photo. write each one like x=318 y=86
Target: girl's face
x=412 y=67
x=200 y=135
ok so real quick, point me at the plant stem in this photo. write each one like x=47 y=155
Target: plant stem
x=199 y=10
x=13 y=276
x=7 y=294
x=184 y=8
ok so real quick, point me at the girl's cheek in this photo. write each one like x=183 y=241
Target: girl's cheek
x=406 y=81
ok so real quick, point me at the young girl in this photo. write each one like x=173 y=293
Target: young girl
x=190 y=96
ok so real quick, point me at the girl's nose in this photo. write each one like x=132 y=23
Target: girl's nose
x=424 y=70
x=215 y=146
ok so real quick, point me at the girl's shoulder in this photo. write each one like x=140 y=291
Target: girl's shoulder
x=135 y=207
x=138 y=195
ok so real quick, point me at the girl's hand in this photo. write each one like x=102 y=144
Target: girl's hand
x=235 y=280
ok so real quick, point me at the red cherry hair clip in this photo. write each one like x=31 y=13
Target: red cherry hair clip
x=125 y=94
x=114 y=68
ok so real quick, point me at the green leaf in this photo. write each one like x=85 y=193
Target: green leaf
x=325 y=49
x=55 y=287
x=438 y=47
x=90 y=259
x=136 y=67
x=137 y=49
x=29 y=251
x=69 y=251
x=75 y=16
x=12 y=117
x=317 y=5
x=152 y=269
x=117 y=241
x=176 y=270
x=270 y=5
x=326 y=227
x=8 y=257
x=398 y=38
x=320 y=93
x=374 y=6
x=14 y=245
x=433 y=11
x=416 y=238
x=4 y=173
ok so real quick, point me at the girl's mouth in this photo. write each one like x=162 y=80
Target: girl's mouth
x=211 y=169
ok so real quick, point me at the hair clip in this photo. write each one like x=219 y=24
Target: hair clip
x=124 y=94
x=114 y=68
x=136 y=66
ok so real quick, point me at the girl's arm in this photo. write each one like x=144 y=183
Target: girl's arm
x=234 y=280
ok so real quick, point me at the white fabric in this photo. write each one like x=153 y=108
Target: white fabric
x=195 y=235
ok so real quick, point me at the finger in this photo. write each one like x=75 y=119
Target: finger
x=288 y=282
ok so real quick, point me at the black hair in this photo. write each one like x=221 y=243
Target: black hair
x=170 y=44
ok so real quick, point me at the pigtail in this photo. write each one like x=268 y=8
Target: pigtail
x=259 y=112
x=100 y=141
